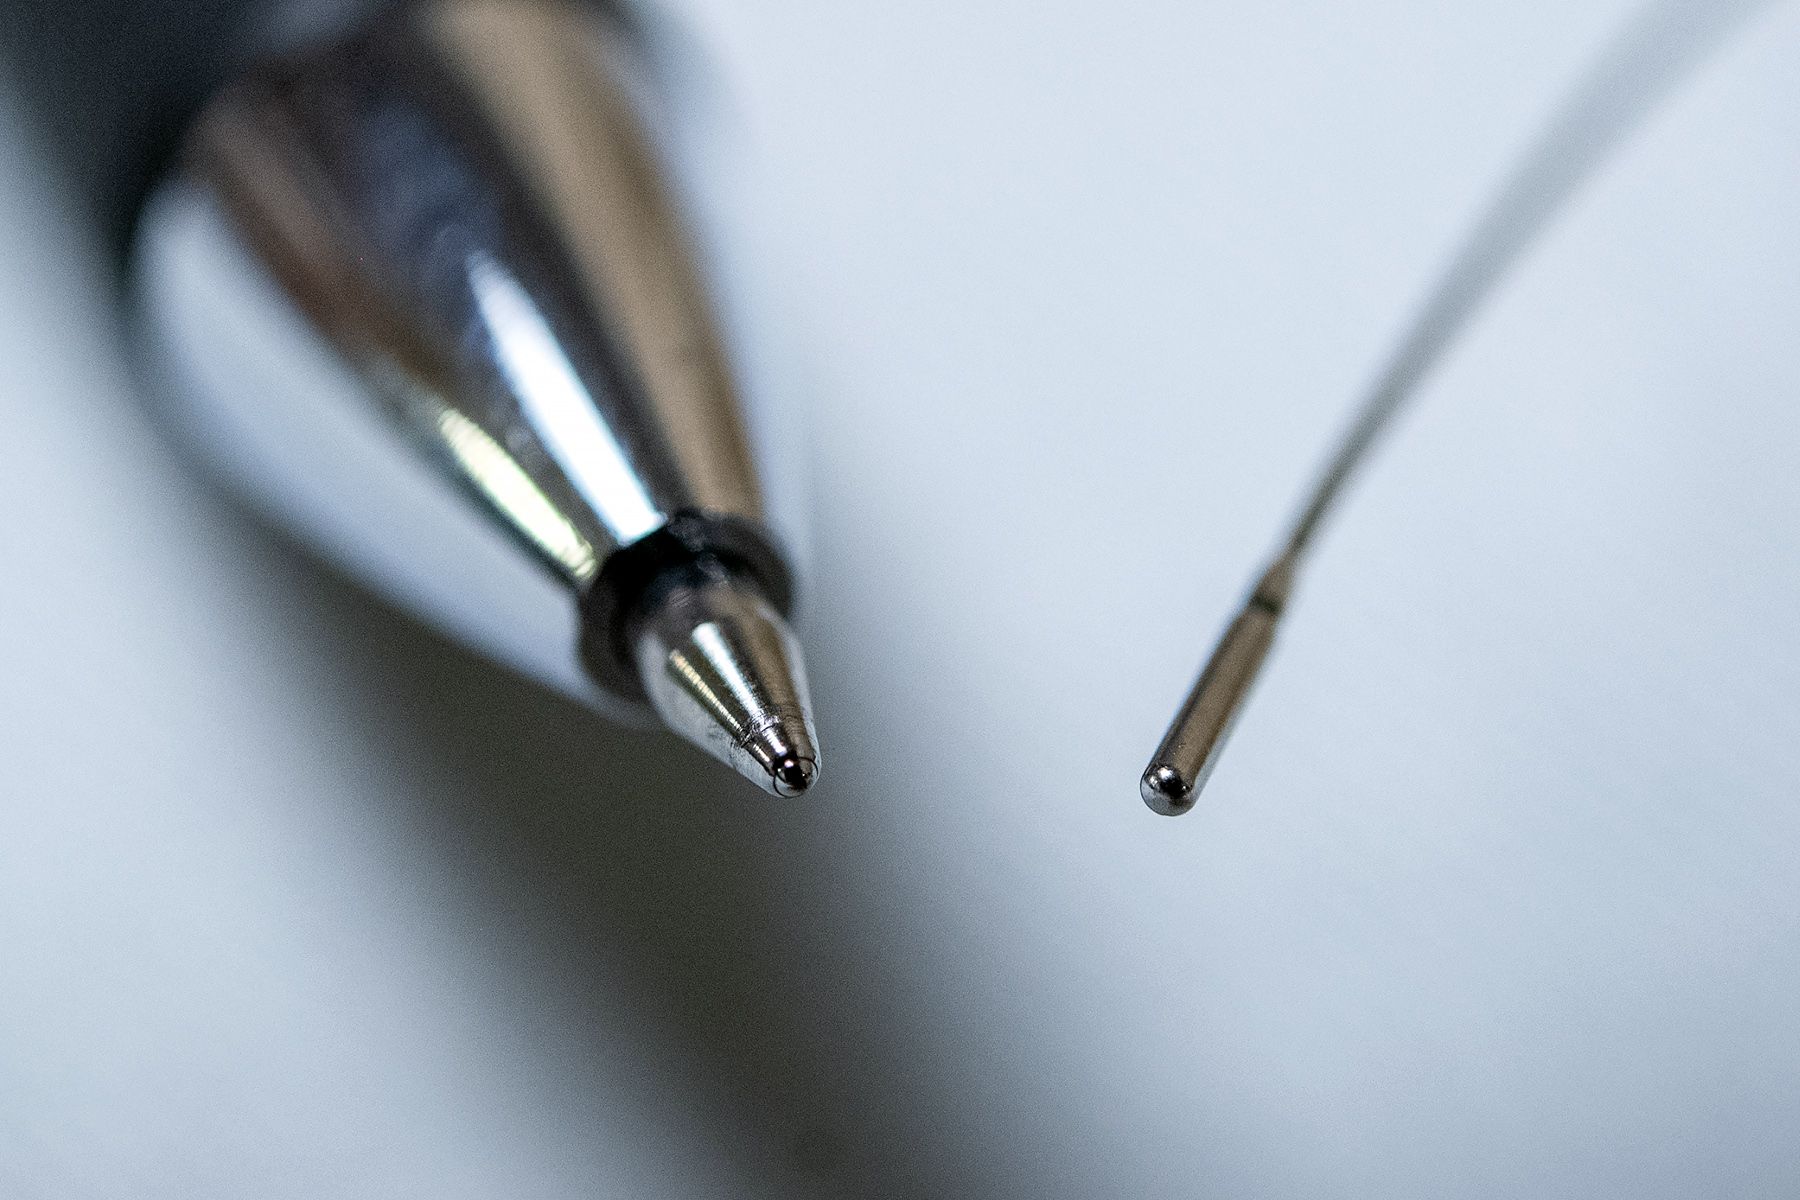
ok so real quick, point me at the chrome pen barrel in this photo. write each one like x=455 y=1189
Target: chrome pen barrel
x=449 y=224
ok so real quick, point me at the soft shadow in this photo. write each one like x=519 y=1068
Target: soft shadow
x=720 y=897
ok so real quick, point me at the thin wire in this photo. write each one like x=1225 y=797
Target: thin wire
x=1653 y=54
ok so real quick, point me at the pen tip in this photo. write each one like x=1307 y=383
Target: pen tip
x=723 y=671
x=1165 y=791
x=794 y=774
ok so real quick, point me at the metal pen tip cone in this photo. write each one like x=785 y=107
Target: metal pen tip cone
x=722 y=670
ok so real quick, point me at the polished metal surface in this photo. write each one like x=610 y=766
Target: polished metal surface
x=724 y=672
x=469 y=294
x=1191 y=748
x=1651 y=56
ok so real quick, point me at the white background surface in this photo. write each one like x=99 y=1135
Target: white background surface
x=1496 y=893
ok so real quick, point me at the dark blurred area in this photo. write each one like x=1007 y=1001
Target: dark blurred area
x=113 y=83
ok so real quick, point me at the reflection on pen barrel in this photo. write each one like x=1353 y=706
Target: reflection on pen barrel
x=448 y=231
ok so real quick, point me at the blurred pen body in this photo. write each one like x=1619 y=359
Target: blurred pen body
x=420 y=291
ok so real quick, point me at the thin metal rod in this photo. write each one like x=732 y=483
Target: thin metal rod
x=1654 y=53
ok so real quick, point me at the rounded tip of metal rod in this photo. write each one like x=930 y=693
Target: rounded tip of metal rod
x=793 y=774
x=1165 y=791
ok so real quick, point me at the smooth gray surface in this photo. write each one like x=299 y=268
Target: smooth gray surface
x=283 y=913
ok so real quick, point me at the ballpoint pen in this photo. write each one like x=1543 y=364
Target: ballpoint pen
x=417 y=286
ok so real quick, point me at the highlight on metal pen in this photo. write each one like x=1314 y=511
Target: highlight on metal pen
x=1648 y=59
x=420 y=285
